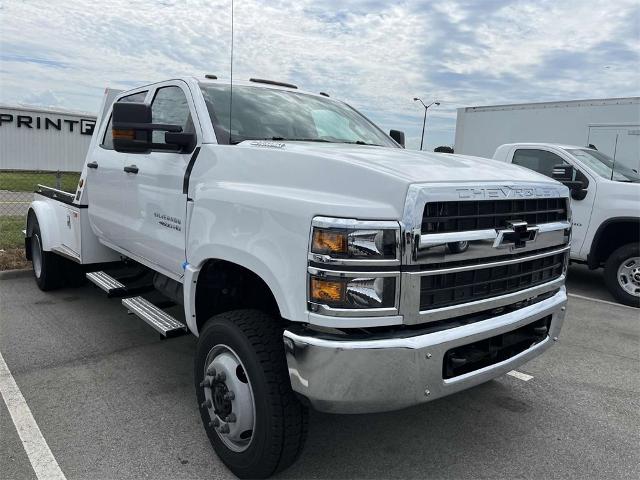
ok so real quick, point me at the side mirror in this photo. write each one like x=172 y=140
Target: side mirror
x=398 y=136
x=127 y=120
x=565 y=174
x=132 y=131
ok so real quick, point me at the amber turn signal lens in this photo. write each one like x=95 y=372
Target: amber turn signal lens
x=326 y=291
x=123 y=134
x=329 y=241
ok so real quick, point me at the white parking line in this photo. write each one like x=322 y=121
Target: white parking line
x=42 y=460
x=519 y=375
x=607 y=302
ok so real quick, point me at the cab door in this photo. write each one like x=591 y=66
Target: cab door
x=155 y=204
x=104 y=181
x=542 y=161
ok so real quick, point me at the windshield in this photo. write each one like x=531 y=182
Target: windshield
x=270 y=114
x=604 y=165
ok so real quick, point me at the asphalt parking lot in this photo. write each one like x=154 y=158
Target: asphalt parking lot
x=115 y=402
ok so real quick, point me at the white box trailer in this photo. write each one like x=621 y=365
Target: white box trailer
x=612 y=125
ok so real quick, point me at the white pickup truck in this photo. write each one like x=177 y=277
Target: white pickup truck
x=318 y=262
x=605 y=206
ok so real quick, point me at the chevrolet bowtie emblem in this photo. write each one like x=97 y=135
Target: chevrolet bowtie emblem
x=516 y=235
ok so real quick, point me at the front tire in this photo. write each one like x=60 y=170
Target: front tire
x=254 y=421
x=622 y=274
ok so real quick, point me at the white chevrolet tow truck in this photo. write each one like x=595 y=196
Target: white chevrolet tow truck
x=605 y=199
x=319 y=263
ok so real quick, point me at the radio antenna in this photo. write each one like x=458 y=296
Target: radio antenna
x=615 y=151
x=231 y=88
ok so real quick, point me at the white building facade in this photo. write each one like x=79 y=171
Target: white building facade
x=45 y=139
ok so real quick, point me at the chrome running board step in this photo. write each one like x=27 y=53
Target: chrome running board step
x=160 y=320
x=107 y=283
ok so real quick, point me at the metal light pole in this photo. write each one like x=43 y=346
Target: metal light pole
x=424 y=122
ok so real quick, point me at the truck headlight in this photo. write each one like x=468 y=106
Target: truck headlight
x=357 y=292
x=358 y=242
x=344 y=278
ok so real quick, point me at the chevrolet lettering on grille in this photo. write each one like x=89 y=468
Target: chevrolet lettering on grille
x=505 y=192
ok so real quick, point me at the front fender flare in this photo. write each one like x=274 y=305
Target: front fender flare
x=235 y=256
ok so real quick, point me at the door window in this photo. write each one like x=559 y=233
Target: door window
x=170 y=106
x=541 y=161
x=139 y=97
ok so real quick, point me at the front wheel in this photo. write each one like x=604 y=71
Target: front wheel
x=622 y=274
x=254 y=421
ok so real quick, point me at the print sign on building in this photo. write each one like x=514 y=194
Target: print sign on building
x=34 y=138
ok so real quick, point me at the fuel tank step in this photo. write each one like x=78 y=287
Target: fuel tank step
x=107 y=283
x=160 y=320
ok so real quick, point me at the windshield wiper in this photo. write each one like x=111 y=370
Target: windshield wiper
x=284 y=139
x=235 y=141
x=357 y=142
x=360 y=142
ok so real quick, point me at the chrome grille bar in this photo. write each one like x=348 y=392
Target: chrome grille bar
x=434 y=248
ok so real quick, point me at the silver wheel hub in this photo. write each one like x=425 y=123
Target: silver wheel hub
x=629 y=276
x=228 y=398
x=36 y=255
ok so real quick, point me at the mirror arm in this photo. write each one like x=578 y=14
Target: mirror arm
x=163 y=146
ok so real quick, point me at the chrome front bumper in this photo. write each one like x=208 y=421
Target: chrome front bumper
x=346 y=376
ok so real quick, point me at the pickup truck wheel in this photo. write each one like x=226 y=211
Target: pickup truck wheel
x=458 y=247
x=46 y=265
x=622 y=274
x=256 y=424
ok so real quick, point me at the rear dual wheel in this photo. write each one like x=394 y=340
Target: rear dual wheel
x=51 y=271
x=253 y=419
x=46 y=265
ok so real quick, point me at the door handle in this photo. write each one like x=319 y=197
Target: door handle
x=131 y=169
x=92 y=165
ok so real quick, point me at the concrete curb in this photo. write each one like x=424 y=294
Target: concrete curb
x=8 y=274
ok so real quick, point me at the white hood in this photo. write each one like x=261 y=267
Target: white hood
x=414 y=166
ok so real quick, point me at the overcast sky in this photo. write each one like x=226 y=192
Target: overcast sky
x=375 y=55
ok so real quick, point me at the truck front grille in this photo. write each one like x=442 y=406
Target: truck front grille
x=459 y=216
x=446 y=289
